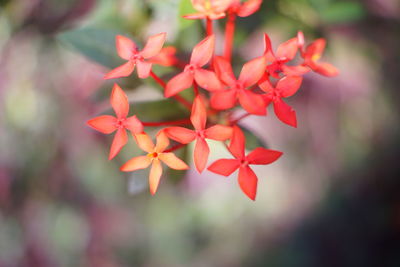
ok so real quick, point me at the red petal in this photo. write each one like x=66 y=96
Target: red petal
x=195 y=16
x=119 y=102
x=295 y=70
x=155 y=175
x=219 y=132
x=285 y=113
x=315 y=50
x=136 y=163
x=262 y=156
x=248 y=182
x=203 y=51
x=173 y=161
x=121 y=71
x=143 y=69
x=134 y=125
x=224 y=167
x=224 y=71
x=249 y=7
x=236 y=147
x=201 y=152
x=153 y=45
x=327 y=69
x=125 y=47
x=207 y=80
x=288 y=49
x=269 y=53
x=252 y=71
x=104 y=124
x=289 y=85
x=199 y=114
x=179 y=83
x=120 y=139
x=180 y=134
x=224 y=99
x=266 y=86
x=252 y=103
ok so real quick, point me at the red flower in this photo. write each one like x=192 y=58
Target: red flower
x=200 y=133
x=246 y=9
x=201 y=55
x=127 y=49
x=236 y=89
x=108 y=124
x=166 y=57
x=155 y=155
x=312 y=55
x=211 y=9
x=285 y=53
x=247 y=178
x=285 y=87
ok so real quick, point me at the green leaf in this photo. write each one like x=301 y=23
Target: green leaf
x=342 y=12
x=185 y=8
x=94 y=43
x=156 y=111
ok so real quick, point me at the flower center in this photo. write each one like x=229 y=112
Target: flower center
x=200 y=134
x=136 y=56
x=244 y=162
x=153 y=155
x=120 y=123
x=239 y=85
x=190 y=68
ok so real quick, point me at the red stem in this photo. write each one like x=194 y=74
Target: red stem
x=229 y=35
x=209 y=25
x=166 y=123
x=176 y=147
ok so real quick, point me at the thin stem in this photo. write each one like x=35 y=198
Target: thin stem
x=176 y=147
x=229 y=36
x=209 y=26
x=167 y=123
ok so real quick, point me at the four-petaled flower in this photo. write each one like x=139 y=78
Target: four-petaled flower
x=128 y=50
x=200 y=133
x=236 y=89
x=244 y=9
x=247 y=178
x=108 y=124
x=211 y=9
x=287 y=86
x=156 y=154
x=201 y=55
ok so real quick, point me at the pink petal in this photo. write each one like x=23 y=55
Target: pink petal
x=195 y=16
x=199 y=114
x=143 y=69
x=327 y=69
x=104 y=124
x=126 y=48
x=121 y=71
x=269 y=53
x=224 y=71
x=203 y=51
x=207 y=80
x=153 y=45
x=285 y=113
x=300 y=41
x=119 y=102
x=120 y=140
x=219 y=132
x=201 y=152
x=252 y=103
x=249 y=8
x=295 y=70
x=236 y=147
x=162 y=142
x=180 y=134
x=134 y=125
x=155 y=175
x=248 y=182
x=262 y=156
x=144 y=142
x=252 y=71
x=136 y=163
x=315 y=50
x=288 y=49
x=224 y=99
x=179 y=83
x=289 y=85
x=266 y=86
x=224 y=167
x=173 y=161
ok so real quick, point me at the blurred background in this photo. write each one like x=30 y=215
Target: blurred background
x=331 y=200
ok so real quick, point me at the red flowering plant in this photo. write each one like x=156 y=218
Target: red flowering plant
x=208 y=111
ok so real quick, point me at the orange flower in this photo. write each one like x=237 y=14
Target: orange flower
x=211 y=9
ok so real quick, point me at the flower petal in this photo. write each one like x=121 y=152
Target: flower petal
x=252 y=103
x=134 y=125
x=195 y=16
x=155 y=175
x=285 y=113
x=289 y=85
x=224 y=167
x=125 y=47
x=179 y=83
x=199 y=114
x=173 y=161
x=269 y=52
x=252 y=71
x=136 y=163
x=266 y=86
x=144 y=142
x=162 y=142
x=153 y=45
x=223 y=69
x=121 y=71
x=223 y=99
x=288 y=49
x=203 y=51
x=262 y=156
x=249 y=7
x=219 y=132
x=248 y=182
x=315 y=50
x=236 y=147
x=120 y=139
x=207 y=79
x=295 y=70
x=143 y=69
x=327 y=69
x=119 y=102
x=180 y=134
x=201 y=152
x=104 y=124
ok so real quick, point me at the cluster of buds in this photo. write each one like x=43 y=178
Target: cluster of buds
x=267 y=79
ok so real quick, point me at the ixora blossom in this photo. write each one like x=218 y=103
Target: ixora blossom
x=200 y=134
x=247 y=178
x=128 y=50
x=108 y=124
x=210 y=9
x=155 y=155
x=244 y=9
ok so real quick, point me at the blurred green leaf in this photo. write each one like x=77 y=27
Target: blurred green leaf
x=342 y=12
x=185 y=8
x=155 y=111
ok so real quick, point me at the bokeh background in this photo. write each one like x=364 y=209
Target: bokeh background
x=332 y=200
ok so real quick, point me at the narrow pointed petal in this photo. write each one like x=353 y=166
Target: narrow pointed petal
x=327 y=69
x=295 y=70
x=134 y=125
x=125 y=47
x=136 y=163
x=219 y=132
x=201 y=152
x=224 y=99
x=173 y=161
x=269 y=52
x=203 y=51
x=315 y=50
x=162 y=142
x=248 y=182
x=180 y=134
x=236 y=147
x=119 y=102
x=252 y=103
x=223 y=69
x=288 y=49
x=153 y=45
x=199 y=114
x=262 y=156
x=155 y=175
x=122 y=71
x=207 y=80
x=266 y=86
x=248 y=8
x=289 y=85
x=120 y=139
x=195 y=16
x=224 y=167
x=143 y=69
x=144 y=142
x=104 y=124
x=285 y=113
x=252 y=71
x=179 y=83
x=301 y=41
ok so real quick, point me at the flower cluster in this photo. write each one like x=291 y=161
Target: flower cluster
x=269 y=78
